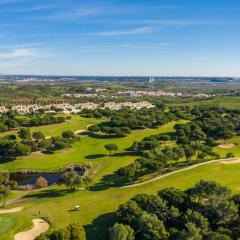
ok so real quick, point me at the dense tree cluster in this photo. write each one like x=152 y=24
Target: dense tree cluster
x=208 y=124
x=39 y=120
x=206 y=211
x=122 y=121
x=74 y=231
x=195 y=140
x=12 y=120
x=11 y=147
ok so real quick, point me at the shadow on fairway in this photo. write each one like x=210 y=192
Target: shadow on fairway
x=109 y=181
x=124 y=154
x=94 y=156
x=98 y=229
x=100 y=136
x=48 y=193
x=6 y=160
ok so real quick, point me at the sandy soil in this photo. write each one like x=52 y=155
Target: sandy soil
x=231 y=161
x=226 y=146
x=12 y=210
x=40 y=226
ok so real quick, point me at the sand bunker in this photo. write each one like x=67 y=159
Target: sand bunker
x=226 y=146
x=231 y=161
x=40 y=226
x=12 y=210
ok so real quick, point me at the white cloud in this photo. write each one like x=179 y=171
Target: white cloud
x=127 y=32
x=72 y=14
x=33 y=9
x=22 y=53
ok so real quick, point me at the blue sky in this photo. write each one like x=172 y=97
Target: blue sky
x=135 y=37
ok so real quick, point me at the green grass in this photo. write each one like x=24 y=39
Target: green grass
x=232 y=102
x=7 y=224
x=104 y=197
x=235 y=150
x=76 y=123
x=97 y=206
x=89 y=149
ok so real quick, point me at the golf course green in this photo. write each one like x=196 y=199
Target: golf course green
x=98 y=203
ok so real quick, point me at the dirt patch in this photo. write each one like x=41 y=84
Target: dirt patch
x=40 y=226
x=226 y=146
x=12 y=210
x=231 y=161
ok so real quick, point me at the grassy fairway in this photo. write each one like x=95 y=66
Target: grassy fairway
x=90 y=149
x=97 y=206
x=104 y=197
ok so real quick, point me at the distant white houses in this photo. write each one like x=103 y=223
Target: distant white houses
x=75 y=108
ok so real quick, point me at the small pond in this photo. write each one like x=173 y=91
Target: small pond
x=31 y=178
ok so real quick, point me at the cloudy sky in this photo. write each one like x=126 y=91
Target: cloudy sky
x=120 y=37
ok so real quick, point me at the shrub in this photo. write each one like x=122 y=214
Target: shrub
x=41 y=182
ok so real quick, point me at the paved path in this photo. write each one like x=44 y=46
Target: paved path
x=16 y=199
x=40 y=226
x=181 y=170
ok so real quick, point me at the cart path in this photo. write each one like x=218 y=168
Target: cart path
x=224 y=161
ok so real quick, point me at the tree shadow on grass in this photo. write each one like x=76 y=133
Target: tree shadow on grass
x=109 y=181
x=48 y=193
x=124 y=154
x=48 y=152
x=6 y=160
x=100 y=136
x=94 y=156
x=98 y=229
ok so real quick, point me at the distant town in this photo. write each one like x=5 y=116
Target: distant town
x=73 y=108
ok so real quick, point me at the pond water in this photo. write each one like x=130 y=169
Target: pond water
x=30 y=179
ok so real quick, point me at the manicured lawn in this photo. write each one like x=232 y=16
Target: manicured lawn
x=97 y=206
x=7 y=225
x=89 y=149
